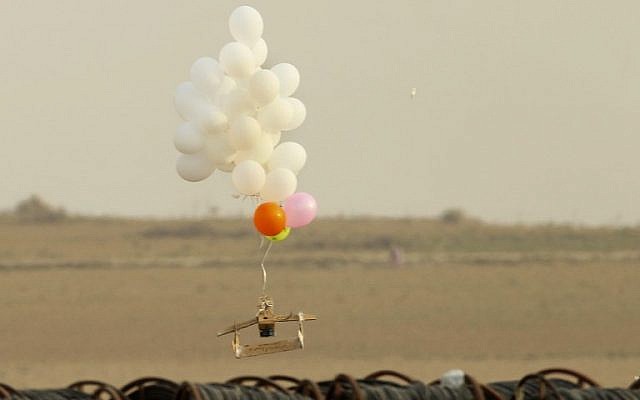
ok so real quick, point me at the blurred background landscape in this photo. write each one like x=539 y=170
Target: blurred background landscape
x=121 y=297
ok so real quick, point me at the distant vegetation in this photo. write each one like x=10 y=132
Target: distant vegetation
x=34 y=209
x=453 y=216
x=194 y=230
x=35 y=230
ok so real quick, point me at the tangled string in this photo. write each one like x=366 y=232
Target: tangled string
x=552 y=384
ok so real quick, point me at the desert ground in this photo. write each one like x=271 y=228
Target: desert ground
x=115 y=299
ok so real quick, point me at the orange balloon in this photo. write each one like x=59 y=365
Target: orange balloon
x=270 y=219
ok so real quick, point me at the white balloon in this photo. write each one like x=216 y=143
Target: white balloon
x=211 y=119
x=288 y=76
x=260 y=52
x=218 y=148
x=227 y=85
x=188 y=139
x=264 y=86
x=246 y=25
x=260 y=152
x=279 y=184
x=228 y=167
x=248 y=177
x=276 y=115
x=194 y=167
x=243 y=83
x=289 y=155
x=275 y=137
x=299 y=113
x=244 y=132
x=237 y=60
x=206 y=76
x=237 y=102
x=188 y=100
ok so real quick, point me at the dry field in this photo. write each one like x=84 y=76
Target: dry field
x=115 y=300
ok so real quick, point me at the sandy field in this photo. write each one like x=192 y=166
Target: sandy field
x=496 y=322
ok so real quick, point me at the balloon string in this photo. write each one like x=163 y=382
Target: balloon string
x=256 y=201
x=264 y=271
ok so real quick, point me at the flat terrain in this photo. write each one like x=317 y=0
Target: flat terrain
x=115 y=300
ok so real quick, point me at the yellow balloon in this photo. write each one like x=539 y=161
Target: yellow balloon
x=280 y=236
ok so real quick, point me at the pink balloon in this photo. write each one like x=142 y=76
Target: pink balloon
x=301 y=209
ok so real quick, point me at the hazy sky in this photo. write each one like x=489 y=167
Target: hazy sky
x=525 y=110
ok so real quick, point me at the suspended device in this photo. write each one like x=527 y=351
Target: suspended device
x=266 y=320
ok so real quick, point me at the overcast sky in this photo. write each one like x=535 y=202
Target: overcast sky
x=525 y=111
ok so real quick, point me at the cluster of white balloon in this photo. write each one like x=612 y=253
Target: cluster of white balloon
x=234 y=112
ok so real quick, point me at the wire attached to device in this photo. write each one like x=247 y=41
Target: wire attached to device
x=264 y=270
